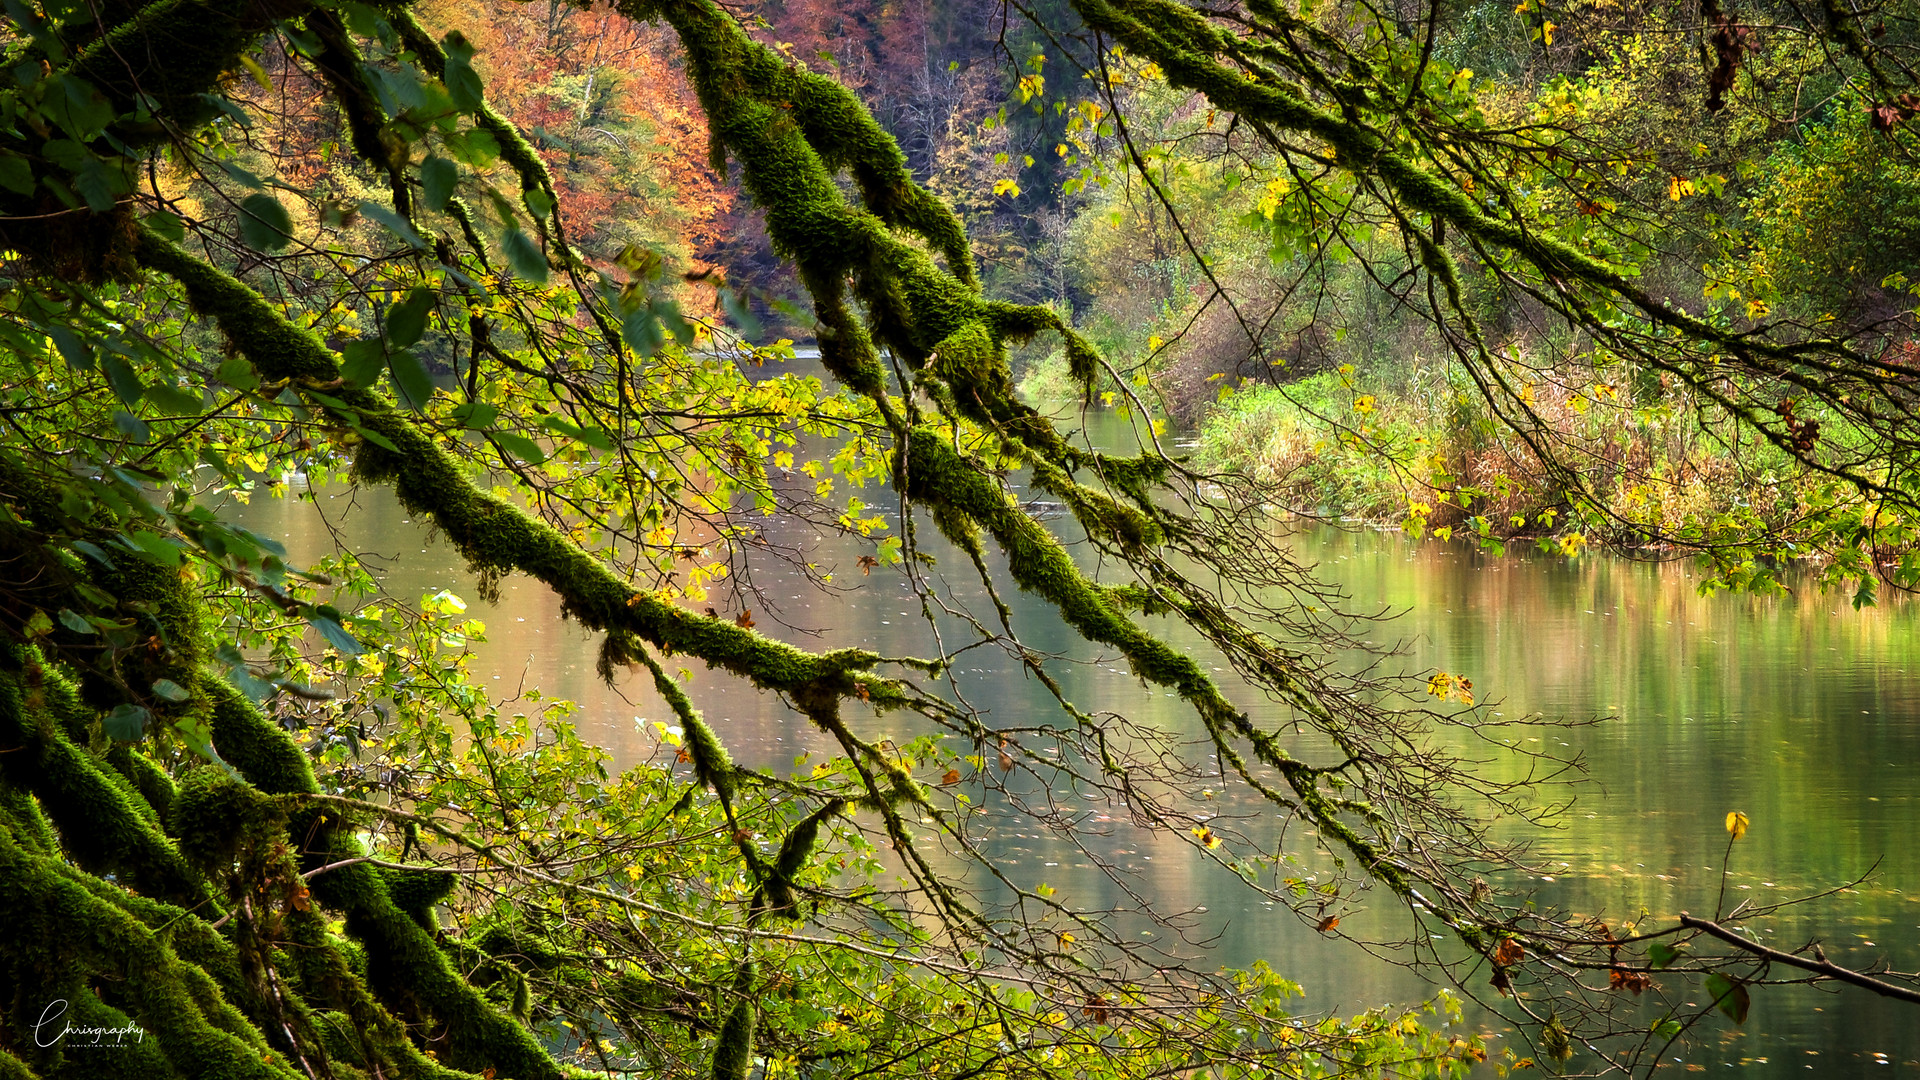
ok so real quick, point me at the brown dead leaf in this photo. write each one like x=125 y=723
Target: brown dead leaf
x=1622 y=979
x=951 y=776
x=1509 y=953
x=744 y=620
x=1327 y=924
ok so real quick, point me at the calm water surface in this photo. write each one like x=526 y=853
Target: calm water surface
x=1798 y=710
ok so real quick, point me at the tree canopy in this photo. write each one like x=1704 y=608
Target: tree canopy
x=264 y=813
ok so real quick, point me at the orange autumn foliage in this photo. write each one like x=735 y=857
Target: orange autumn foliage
x=604 y=101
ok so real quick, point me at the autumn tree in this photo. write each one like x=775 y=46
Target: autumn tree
x=189 y=312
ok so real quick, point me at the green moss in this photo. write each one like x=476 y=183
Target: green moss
x=153 y=784
x=56 y=927
x=777 y=886
x=417 y=891
x=12 y=1068
x=258 y=748
x=733 y=1050
x=99 y=818
x=112 y=1057
x=218 y=821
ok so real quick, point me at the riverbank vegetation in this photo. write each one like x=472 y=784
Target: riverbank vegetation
x=1281 y=312
x=530 y=269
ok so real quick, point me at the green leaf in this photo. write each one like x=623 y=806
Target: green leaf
x=437 y=179
x=394 y=223
x=96 y=185
x=456 y=45
x=407 y=320
x=244 y=177
x=170 y=690
x=739 y=313
x=39 y=624
x=131 y=426
x=676 y=323
x=168 y=225
x=411 y=379
x=1667 y=1029
x=525 y=256
x=376 y=438
x=16 y=174
x=81 y=109
x=172 y=399
x=476 y=414
x=464 y=86
x=641 y=331
x=1731 y=997
x=125 y=723
x=236 y=372
x=126 y=385
x=241 y=675
x=539 y=203
x=265 y=225
x=519 y=446
x=153 y=547
x=336 y=635
x=361 y=362
x=75 y=351
x=76 y=622
x=95 y=552
x=474 y=147
x=1662 y=955
x=594 y=437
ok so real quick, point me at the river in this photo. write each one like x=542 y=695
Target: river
x=1797 y=710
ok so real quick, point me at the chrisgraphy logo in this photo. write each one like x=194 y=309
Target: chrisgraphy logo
x=50 y=1029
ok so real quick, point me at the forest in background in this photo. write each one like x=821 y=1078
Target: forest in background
x=1794 y=196
x=1588 y=273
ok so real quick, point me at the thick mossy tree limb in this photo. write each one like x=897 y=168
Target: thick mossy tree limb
x=104 y=825
x=495 y=536
x=941 y=326
x=405 y=964
x=792 y=131
x=55 y=924
x=157 y=69
x=103 y=822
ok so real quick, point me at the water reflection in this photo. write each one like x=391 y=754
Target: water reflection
x=1798 y=710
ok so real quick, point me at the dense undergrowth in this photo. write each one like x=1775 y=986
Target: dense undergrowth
x=1423 y=452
